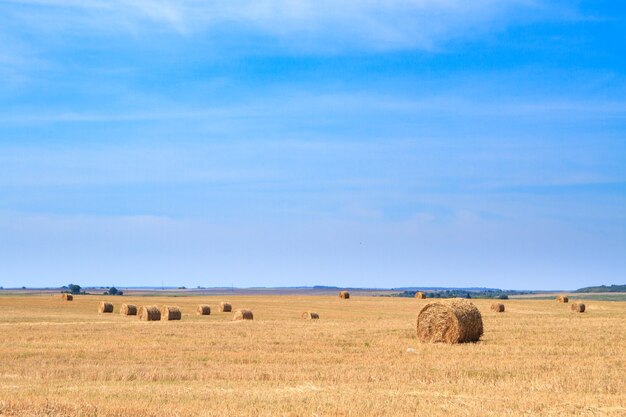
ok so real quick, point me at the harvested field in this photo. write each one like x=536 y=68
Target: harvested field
x=280 y=365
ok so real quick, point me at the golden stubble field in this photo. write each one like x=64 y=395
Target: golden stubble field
x=538 y=358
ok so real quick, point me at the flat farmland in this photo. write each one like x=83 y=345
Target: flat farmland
x=361 y=358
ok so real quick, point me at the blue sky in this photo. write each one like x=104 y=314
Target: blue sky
x=273 y=142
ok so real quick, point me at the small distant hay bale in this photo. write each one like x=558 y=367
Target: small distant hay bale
x=243 y=314
x=128 y=310
x=225 y=307
x=149 y=313
x=497 y=307
x=453 y=321
x=203 y=310
x=420 y=295
x=578 y=307
x=170 y=313
x=308 y=315
x=105 y=307
x=67 y=297
x=344 y=294
x=562 y=299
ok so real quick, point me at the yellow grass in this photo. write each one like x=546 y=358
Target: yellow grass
x=64 y=359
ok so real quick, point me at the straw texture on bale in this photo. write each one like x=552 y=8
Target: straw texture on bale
x=497 y=307
x=67 y=297
x=105 y=307
x=225 y=307
x=308 y=315
x=203 y=310
x=453 y=321
x=344 y=294
x=243 y=314
x=128 y=310
x=578 y=307
x=420 y=295
x=562 y=299
x=170 y=313
x=149 y=313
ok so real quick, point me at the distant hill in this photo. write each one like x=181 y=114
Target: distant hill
x=603 y=288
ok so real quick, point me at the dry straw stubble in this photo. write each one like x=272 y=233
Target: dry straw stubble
x=128 y=310
x=243 y=314
x=453 y=321
x=203 y=310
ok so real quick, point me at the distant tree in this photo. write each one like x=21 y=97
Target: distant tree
x=120 y=293
x=503 y=297
x=182 y=288
x=112 y=291
x=74 y=289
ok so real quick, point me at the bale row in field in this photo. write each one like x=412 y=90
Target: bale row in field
x=105 y=307
x=497 y=307
x=420 y=295
x=170 y=313
x=203 y=310
x=454 y=321
x=578 y=307
x=225 y=307
x=149 y=313
x=308 y=315
x=67 y=297
x=243 y=314
x=344 y=294
x=128 y=310
x=562 y=299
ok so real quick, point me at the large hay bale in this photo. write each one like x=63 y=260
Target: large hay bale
x=225 y=307
x=344 y=294
x=105 y=307
x=243 y=314
x=203 y=310
x=562 y=299
x=170 y=313
x=308 y=315
x=497 y=307
x=67 y=297
x=578 y=307
x=453 y=321
x=149 y=313
x=128 y=310
x=420 y=295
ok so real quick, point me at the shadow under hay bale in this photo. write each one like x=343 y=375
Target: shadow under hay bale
x=105 y=307
x=307 y=315
x=497 y=307
x=562 y=299
x=149 y=313
x=225 y=307
x=344 y=294
x=420 y=295
x=128 y=310
x=453 y=321
x=243 y=314
x=67 y=297
x=578 y=307
x=203 y=310
x=170 y=313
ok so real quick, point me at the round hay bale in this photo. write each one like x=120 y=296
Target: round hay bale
x=105 y=307
x=344 y=294
x=149 y=313
x=243 y=314
x=67 y=297
x=170 y=313
x=225 y=307
x=308 y=315
x=562 y=299
x=578 y=307
x=497 y=307
x=453 y=321
x=420 y=295
x=203 y=310
x=128 y=310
